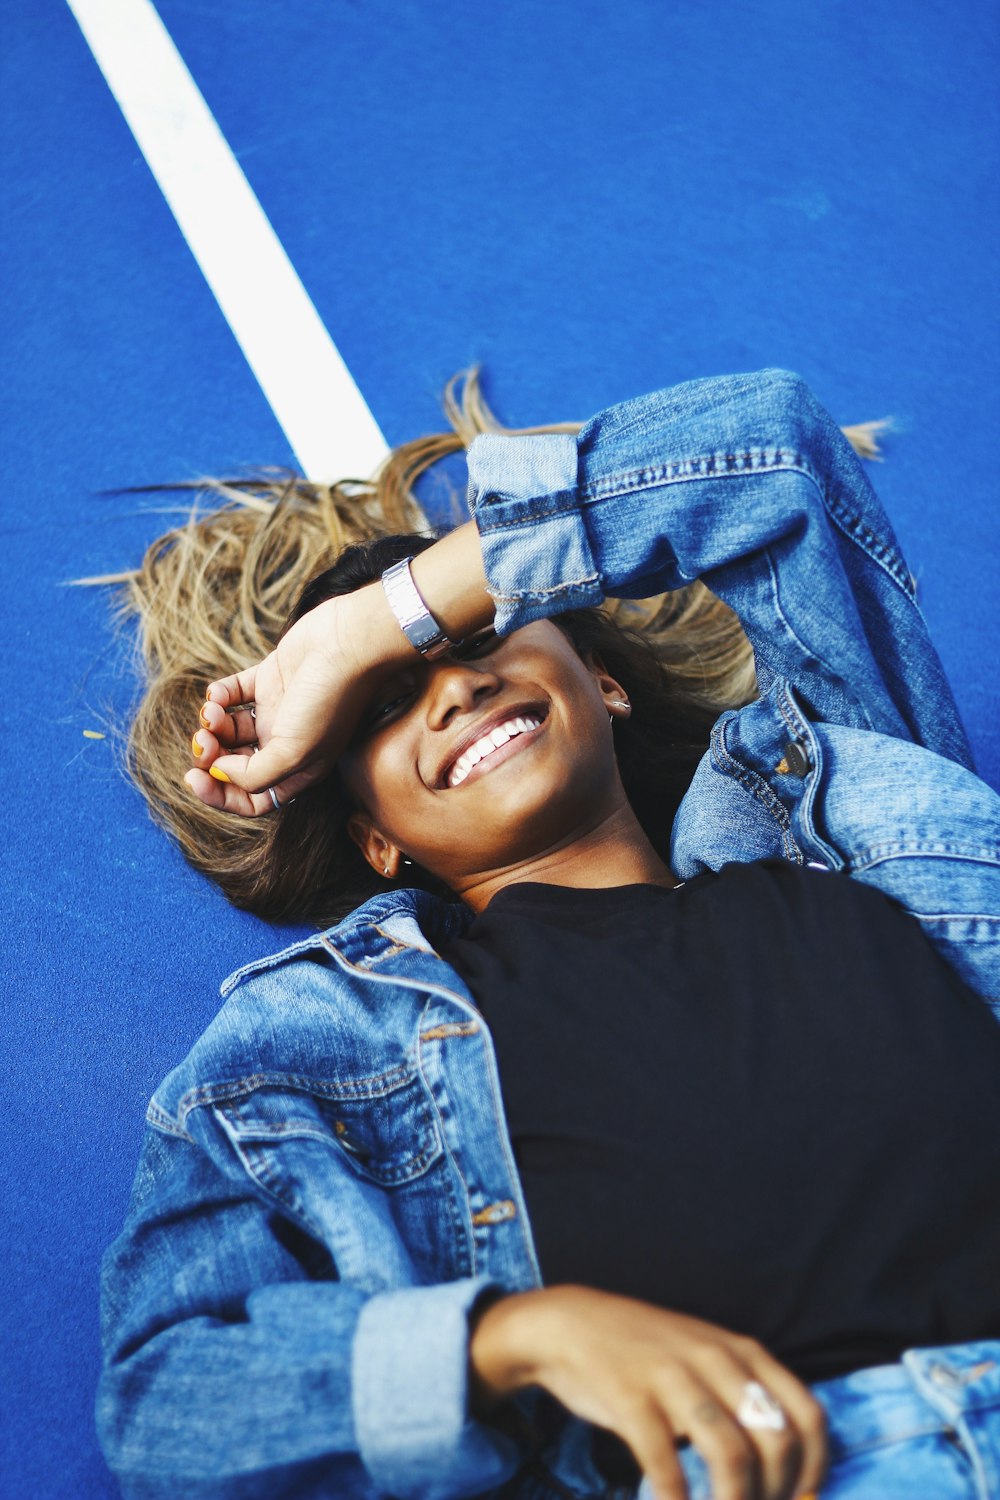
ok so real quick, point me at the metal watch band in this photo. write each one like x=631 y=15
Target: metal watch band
x=415 y=620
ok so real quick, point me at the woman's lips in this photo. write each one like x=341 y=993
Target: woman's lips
x=494 y=747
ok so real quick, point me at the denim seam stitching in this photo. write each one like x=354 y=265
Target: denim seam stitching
x=882 y=553
x=470 y=1245
x=954 y=916
x=251 y=1083
x=278 y=1189
x=160 y=1120
x=590 y=581
x=758 y=788
x=935 y=849
x=258 y=1162
x=887 y=1440
x=678 y=471
x=408 y=984
x=756 y=461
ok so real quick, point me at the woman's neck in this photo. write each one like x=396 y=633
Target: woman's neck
x=615 y=852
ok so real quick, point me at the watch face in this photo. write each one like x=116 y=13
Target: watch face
x=440 y=646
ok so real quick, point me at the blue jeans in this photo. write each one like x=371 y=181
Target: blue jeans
x=927 y=1428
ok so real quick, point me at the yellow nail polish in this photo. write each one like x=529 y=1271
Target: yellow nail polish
x=219 y=775
x=201 y=715
x=195 y=746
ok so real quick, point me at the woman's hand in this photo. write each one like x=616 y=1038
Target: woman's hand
x=653 y=1377
x=306 y=695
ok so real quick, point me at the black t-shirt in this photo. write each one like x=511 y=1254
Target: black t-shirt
x=761 y=1098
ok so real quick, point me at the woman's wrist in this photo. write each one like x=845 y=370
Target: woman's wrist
x=451 y=580
x=501 y=1361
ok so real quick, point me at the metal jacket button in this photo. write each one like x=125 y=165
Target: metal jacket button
x=353 y=1147
x=795 y=761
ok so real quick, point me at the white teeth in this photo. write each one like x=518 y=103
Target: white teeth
x=485 y=746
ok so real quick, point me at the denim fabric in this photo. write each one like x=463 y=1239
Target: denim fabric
x=746 y=482
x=927 y=1428
x=327 y=1185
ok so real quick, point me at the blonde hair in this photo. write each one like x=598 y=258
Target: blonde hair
x=211 y=596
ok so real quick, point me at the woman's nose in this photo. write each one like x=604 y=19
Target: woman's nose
x=456 y=688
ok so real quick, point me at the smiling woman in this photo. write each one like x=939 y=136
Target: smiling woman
x=532 y=1176
x=212 y=596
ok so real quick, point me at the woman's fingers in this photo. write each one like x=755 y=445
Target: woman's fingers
x=226 y=797
x=802 y=1410
x=771 y=1448
x=225 y=791
x=233 y=774
x=238 y=688
x=233 y=729
x=652 y=1376
x=654 y=1447
x=277 y=765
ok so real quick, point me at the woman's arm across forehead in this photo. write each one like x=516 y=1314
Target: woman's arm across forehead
x=745 y=481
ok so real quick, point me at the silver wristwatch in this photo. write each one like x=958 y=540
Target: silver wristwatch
x=415 y=620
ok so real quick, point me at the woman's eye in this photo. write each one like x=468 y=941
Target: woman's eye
x=388 y=708
x=381 y=712
x=477 y=645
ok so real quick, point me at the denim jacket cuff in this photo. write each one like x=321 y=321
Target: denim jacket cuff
x=411 y=1395
x=524 y=496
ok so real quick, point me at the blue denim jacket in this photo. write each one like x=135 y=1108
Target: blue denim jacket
x=327 y=1185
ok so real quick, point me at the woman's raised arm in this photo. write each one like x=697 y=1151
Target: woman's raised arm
x=744 y=481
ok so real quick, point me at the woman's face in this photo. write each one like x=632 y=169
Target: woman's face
x=471 y=767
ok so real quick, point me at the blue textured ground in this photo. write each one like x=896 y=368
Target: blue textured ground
x=590 y=199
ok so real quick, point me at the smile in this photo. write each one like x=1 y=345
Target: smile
x=490 y=744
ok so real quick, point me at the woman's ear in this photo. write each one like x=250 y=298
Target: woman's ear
x=381 y=854
x=616 y=699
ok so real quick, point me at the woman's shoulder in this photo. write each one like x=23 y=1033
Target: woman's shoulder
x=310 y=1010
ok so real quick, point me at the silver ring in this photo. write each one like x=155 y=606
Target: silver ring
x=253 y=713
x=274 y=799
x=759 y=1411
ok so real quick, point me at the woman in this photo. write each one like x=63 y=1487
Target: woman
x=749 y=1101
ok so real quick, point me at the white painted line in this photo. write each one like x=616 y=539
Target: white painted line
x=324 y=415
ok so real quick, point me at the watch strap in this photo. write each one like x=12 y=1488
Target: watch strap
x=415 y=620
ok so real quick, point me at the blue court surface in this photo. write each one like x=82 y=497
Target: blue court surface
x=590 y=200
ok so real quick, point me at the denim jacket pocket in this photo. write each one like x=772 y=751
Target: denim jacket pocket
x=384 y=1129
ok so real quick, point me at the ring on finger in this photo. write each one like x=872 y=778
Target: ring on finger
x=270 y=789
x=759 y=1411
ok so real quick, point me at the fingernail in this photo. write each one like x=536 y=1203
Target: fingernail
x=219 y=775
x=195 y=746
x=201 y=716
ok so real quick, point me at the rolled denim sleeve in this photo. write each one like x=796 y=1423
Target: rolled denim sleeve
x=229 y=1371
x=746 y=482
x=411 y=1393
